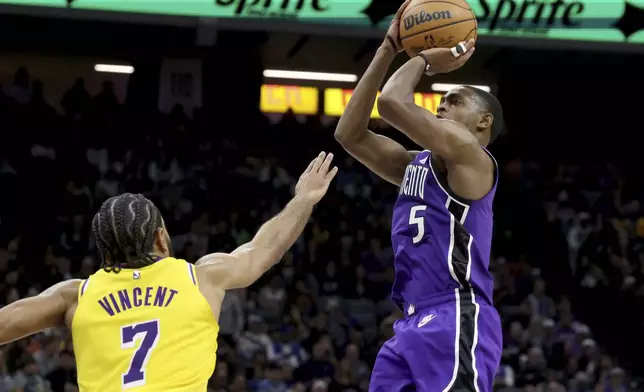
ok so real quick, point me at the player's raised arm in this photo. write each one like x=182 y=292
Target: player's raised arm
x=451 y=140
x=385 y=157
x=31 y=315
x=246 y=264
x=454 y=136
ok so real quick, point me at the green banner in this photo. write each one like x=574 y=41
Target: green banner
x=585 y=20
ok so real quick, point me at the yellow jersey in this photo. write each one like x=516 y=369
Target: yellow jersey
x=144 y=330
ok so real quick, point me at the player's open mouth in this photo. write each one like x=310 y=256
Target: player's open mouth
x=439 y=116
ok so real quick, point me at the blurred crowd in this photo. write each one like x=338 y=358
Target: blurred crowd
x=567 y=257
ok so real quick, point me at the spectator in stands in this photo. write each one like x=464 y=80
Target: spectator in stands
x=29 y=378
x=254 y=341
x=538 y=303
x=19 y=90
x=231 y=316
x=63 y=377
x=76 y=100
x=37 y=102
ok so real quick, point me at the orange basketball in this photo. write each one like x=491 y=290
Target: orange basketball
x=436 y=24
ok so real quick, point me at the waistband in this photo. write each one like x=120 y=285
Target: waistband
x=447 y=298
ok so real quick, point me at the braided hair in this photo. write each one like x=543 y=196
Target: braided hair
x=124 y=229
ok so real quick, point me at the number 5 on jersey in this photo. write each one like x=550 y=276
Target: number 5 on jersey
x=148 y=334
x=418 y=221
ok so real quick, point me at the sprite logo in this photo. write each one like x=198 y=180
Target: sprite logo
x=279 y=8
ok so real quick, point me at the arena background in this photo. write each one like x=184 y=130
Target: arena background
x=198 y=128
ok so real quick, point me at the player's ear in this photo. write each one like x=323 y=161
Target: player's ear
x=161 y=244
x=486 y=120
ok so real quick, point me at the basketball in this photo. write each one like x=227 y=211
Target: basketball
x=436 y=24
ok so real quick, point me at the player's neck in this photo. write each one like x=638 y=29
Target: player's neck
x=155 y=259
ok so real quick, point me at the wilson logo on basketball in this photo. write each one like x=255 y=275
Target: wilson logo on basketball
x=424 y=17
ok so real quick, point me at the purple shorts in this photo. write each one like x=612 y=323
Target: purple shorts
x=448 y=347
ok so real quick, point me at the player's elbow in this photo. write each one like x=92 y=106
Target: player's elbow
x=348 y=137
x=389 y=107
x=342 y=136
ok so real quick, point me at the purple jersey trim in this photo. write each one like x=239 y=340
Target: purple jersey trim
x=84 y=286
x=191 y=271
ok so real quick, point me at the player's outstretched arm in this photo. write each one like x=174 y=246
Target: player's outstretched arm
x=31 y=315
x=448 y=139
x=246 y=264
x=385 y=157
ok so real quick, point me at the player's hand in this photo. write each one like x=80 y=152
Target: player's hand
x=315 y=180
x=443 y=60
x=392 y=39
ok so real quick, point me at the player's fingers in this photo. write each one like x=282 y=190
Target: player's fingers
x=308 y=169
x=329 y=176
x=468 y=55
x=469 y=44
x=460 y=49
x=463 y=59
x=326 y=164
x=318 y=162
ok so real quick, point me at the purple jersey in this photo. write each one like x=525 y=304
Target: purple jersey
x=441 y=242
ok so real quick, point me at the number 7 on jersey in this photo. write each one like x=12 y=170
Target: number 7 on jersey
x=148 y=333
x=417 y=221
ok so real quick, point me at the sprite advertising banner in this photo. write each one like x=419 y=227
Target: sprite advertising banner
x=584 y=20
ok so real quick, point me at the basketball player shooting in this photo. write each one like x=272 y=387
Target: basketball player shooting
x=147 y=322
x=450 y=338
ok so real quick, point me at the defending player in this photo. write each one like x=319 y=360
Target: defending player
x=450 y=339
x=147 y=322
